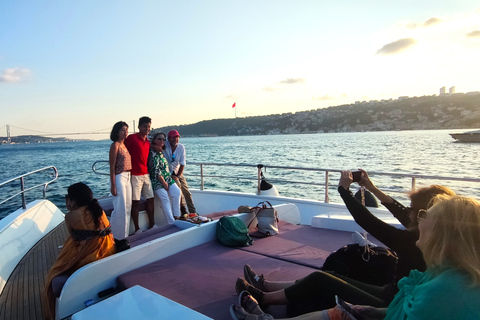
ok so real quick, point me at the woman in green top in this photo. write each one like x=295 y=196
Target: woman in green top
x=162 y=181
x=448 y=289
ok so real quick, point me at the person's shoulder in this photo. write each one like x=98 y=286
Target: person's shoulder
x=73 y=215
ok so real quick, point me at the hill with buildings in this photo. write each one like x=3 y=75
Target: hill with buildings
x=31 y=139
x=446 y=111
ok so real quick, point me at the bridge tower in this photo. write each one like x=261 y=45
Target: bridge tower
x=8 y=135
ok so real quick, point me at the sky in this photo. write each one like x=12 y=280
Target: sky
x=80 y=66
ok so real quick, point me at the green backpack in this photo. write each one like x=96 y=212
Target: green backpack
x=232 y=232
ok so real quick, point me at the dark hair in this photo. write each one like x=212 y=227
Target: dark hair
x=116 y=129
x=155 y=137
x=83 y=196
x=143 y=120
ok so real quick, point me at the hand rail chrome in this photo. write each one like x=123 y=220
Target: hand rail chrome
x=22 y=184
x=95 y=169
x=325 y=184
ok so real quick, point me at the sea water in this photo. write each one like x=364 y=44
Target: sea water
x=409 y=152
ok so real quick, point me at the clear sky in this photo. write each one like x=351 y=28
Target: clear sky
x=80 y=66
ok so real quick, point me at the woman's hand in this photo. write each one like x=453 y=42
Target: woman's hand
x=365 y=181
x=165 y=185
x=156 y=148
x=113 y=190
x=346 y=179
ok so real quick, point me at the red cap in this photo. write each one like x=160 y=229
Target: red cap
x=173 y=133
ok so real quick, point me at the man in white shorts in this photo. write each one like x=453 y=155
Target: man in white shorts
x=139 y=147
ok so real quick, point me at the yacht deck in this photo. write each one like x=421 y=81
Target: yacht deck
x=22 y=296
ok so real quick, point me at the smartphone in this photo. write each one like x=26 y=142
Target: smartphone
x=357 y=176
x=352 y=314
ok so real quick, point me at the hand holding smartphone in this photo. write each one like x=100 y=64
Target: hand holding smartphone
x=357 y=176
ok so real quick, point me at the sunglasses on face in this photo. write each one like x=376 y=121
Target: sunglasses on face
x=421 y=215
x=163 y=139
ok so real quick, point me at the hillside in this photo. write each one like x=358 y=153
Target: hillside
x=417 y=113
x=32 y=139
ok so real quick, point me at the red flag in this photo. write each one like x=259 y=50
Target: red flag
x=233 y=106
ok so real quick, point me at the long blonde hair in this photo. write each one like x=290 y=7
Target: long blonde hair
x=454 y=239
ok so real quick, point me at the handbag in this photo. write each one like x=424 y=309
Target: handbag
x=368 y=263
x=267 y=219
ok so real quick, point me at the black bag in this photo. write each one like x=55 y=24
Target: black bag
x=373 y=265
x=232 y=232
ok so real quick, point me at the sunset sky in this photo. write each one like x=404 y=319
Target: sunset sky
x=80 y=66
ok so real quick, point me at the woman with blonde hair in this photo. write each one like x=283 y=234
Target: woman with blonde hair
x=317 y=290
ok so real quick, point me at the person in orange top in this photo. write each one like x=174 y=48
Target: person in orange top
x=90 y=239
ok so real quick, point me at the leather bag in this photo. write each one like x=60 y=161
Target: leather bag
x=267 y=219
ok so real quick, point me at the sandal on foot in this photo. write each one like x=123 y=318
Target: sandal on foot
x=238 y=313
x=249 y=304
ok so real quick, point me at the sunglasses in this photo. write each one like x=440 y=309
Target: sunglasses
x=163 y=139
x=173 y=157
x=421 y=215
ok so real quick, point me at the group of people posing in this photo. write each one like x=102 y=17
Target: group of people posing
x=437 y=276
x=139 y=166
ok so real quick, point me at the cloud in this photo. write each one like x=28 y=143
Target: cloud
x=293 y=80
x=431 y=22
x=325 y=97
x=474 y=34
x=425 y=24
x=14 y=74
x=269 y=89
x=397 y=46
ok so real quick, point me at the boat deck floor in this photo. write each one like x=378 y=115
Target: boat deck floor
x=23 y=293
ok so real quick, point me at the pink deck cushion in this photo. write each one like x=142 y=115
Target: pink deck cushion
x=203 y=278
x=303 y=245
x=152 y=234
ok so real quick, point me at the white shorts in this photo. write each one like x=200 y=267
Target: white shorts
x=141 y=185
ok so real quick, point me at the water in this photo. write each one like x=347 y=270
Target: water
x=417 y=152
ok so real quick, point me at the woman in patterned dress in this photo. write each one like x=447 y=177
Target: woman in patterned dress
x=163 y=184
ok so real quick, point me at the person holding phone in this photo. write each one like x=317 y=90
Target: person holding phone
x=325 y=285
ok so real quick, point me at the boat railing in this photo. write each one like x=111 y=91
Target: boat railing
x=23 y=190
x=325 y=183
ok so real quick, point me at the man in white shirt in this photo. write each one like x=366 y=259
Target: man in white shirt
x=175 y=154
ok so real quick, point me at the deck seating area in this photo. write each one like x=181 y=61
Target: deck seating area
x=203 y=277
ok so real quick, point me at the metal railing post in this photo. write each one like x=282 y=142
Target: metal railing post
x=413 y=183
x=201 y=177
x=327 y=199
x=22 y=187
x=259 y=178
